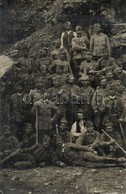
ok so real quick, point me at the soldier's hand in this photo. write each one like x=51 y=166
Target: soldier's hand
x=112 y=141
x=62 y=164
x=120 y=120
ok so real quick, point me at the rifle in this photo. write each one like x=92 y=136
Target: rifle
x=57 y=130
x=115 y=141
x=122 y=132
x=37 y=128
x=10 y=156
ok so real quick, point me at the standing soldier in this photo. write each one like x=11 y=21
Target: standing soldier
x=18 y=112
x=29 y=79
x=99 y=43
x=55 y=93
x=86 y=96
x=66 y=37
x=80 y=45
x=115 y=108
x=47 y=115
x=71 y=94
x=98 y=103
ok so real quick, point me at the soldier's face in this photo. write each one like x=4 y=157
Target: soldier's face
x=80 y=116
x=62 y=127
x=56 y=83
x=46 y=143
x=103 y=83
x=62 y=55
x=108 y=129
x=98 y=29
x=79 y=34
x=109 y=76
x=68 y=27
x=43 y=71
x=85 y=83
x=89 y=57
x=19 y=89
x=38 y=85
x=28 y=129
x=90 y=129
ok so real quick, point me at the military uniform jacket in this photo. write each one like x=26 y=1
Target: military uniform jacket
x=77 y=44
x=99 y=44
x=17 y=107
x=46 y=111
x=89 y=138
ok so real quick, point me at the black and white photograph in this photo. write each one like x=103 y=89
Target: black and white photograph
x=62 y=96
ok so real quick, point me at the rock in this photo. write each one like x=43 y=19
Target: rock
x=77 y=187
x=93 y=170
x=77 y=174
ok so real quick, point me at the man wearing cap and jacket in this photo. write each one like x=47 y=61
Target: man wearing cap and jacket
x=71 y=93
x=55 y=93
x=80 y=46
x=60 y=62
x=47 y=115
x=108 y=145
x=86 y=96
x=99 y=43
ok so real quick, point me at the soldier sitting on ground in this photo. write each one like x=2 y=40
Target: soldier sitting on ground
x=29 y=137
x=107 y=145
x=90 y=138
x=8 y=143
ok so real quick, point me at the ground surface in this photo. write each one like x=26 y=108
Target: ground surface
x=70 y=180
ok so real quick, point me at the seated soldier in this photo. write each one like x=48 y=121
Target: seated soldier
x=108 y=146
x=63 y=131
x=29 y=137
x=90 y=138
x=37 y=155
x=78 y=127
x=8 y=143
x=79 y=155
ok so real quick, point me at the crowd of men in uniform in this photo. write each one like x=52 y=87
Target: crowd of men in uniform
x=69 y=105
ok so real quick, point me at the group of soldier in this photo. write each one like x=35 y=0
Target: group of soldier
x=69 y=105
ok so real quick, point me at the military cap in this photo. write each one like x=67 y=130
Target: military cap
x=64 y=121
x=44 y=49
x=97 y=25
x=67 y=23
x=108 y=123
x=62 y=51
x=46 y=138
x=102 y=77
x=90 y=123
x=56 y=77
x=89 y=53
x=80 y=111
x=84 y=78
